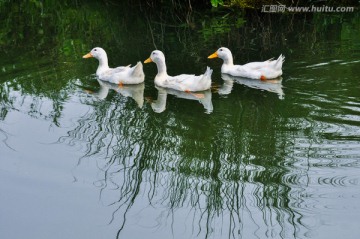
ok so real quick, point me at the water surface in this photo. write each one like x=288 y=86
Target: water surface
x=84 y=159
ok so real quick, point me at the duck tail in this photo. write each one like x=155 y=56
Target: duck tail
x=138 y=70
x=206 y=79
x=279 y=62
x=208 y=72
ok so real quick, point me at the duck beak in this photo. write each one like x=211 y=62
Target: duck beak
x=214 y=55
x=148 y=60
x=89 y=55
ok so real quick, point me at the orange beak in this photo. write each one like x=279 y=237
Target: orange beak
x=214 y=55
x=148 y=60
x=88 y=55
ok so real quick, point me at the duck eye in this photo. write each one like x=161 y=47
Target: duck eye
x=95 y=50
x=220 y=49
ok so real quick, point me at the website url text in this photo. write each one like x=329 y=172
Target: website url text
x=283 y=8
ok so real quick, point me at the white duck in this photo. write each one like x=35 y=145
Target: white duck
x=119 y=75
x=269 y=69
x=187 y=83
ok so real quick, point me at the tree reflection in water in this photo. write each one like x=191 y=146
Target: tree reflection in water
x=215 y=174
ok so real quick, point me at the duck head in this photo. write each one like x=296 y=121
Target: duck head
x=101 y=56
x=159 y=59
x=97 y=53
x=224 y=54
x=156 y=57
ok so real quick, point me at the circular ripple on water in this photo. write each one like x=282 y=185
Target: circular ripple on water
x=338 y=180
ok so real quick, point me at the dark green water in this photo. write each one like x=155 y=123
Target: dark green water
x=81 y=160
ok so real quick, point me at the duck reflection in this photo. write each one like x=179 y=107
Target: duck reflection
x=134 y=91
x=273 y=85
x=204 y=97
x=152 y=171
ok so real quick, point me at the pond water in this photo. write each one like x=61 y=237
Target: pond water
x=83 y=159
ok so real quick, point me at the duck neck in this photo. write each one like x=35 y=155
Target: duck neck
x=103 y=65
x=161 y=66
x=228 y=61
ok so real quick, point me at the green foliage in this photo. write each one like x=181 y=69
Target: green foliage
x=221 y=25
x=216 y=3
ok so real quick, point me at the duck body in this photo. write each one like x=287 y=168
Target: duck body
x=118 y=75
x=269 y=69
x=183 y=82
